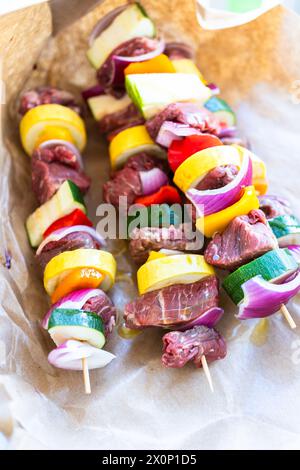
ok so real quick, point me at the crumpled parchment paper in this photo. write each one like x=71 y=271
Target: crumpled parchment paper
x=135 y=402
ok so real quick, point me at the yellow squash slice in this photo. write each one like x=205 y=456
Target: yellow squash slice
x=51 y=121
x=168 y=270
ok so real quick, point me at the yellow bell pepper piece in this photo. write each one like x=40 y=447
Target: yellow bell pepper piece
x=46 y=118
x=188 y=66
x=168 y=270
x=259 y=179
x=159 y=64
x=194 y=168
x=129 y=142
x=213 y=223
x=80 y=278
x=60 y=266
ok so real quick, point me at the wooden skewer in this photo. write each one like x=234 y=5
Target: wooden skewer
x=207 y=373
x=288 y=317
x=86 y=376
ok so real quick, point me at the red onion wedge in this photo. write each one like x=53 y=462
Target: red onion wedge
x=62 y=232
x=104 y=23
x=185 y=119
x=179 y=50
x=215 y=200
x=295 y=250
x=75 y=300
x=143 y=57
x=262 y=298
x=170 y=131
x=93 y=91
x=214 y=88
x=152 y=180
x=69 y=356
x=228 y=132
x=236 y=141
x=195 y=115
x=272 y=197
x=209 y=318
x=71 y=147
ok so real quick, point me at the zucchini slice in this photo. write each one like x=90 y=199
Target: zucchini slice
x=286 y=229
x=160 y=216
x=65 y=324
x=65 y=200
x=222 y=110
x=130 y=23
x=272 y=266
x=152 y=92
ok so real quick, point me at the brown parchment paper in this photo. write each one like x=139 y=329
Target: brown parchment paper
x=135 y=402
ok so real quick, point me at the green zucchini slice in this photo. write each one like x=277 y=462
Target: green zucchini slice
x=286 y=229
x=65 y=324
x=160 y=216
x=222 y=110
x=63 y=202
x=272 y=266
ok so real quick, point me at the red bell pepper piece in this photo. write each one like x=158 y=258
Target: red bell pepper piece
x=180 y=150
x=166 y=194
x=77 y=217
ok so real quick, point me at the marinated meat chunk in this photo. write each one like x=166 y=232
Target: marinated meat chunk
x=70 y=242
x=47 y=95
x=181 y=347
x=172 y=305
x=47 y=178
x=191 y=114
x=116 y=122
x=127 y=181
x=218 y=177
x=53 y=165
x=247 y=237
x=144 y=162
x=274 y=206
x=132 y=48
x=57 y=153
x=146 y=239
x=102 y=306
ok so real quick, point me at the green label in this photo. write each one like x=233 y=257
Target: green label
x=241 y=6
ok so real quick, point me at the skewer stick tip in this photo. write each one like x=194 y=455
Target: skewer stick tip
x=288 y=316
x=207 y=373
x=86 y=376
